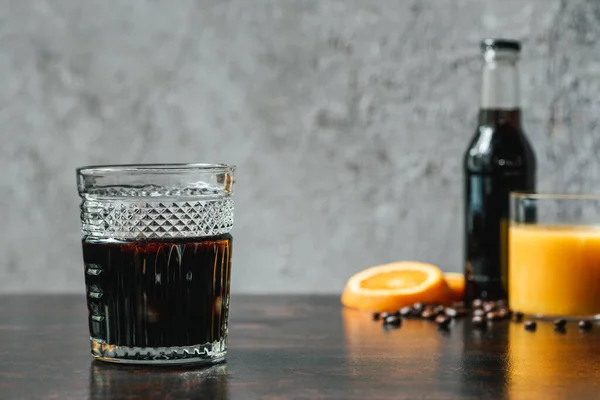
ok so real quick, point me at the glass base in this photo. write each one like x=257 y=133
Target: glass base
x=209 y=353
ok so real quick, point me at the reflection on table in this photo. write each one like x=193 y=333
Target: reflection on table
x=108 y=381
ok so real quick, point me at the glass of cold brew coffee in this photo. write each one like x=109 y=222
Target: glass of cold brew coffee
x=157 y=257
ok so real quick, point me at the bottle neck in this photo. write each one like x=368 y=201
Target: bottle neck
x=500 y=82
x=500 y=117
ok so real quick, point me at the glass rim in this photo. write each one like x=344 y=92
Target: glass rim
x=555 y=196
x=153 y=168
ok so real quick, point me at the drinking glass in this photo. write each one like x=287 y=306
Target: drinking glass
x=554 y=255
x=157 y=260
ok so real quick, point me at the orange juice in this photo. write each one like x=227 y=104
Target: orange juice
x=554 y=270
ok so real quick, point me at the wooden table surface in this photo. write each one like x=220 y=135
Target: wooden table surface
x=301 y=348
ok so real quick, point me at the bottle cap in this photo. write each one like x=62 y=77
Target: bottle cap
x=500 y=44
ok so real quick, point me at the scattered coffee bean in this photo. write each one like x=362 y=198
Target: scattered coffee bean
x=560 y=323
x=483 y=311
x=442 y=321
x=439 y=309
x=392 y=320
x=518 y=316
x=454 y=312
x=478 y=322
x=530 y=325
x=478 y=313
x=428 y=314
x=560 y=329
x=450 y=312
x=405 y=311
x=493 y=316
x=489 y=306
x=384 y=315
x=585 y=325
x=415 y=313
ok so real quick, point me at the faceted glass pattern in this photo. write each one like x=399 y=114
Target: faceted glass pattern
x=145 y=219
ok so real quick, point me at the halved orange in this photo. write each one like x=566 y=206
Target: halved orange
x=389 y=287
x=456 y=284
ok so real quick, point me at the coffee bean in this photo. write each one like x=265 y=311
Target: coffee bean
x=489 y=306
x=439 y=309
x=384 y=315
x=416 y=310
x=478 y=322
x=560 y=329
x=442 y=321
x=450 y=312
x=415 y=313
x=585 y=325
x=493 y=316
x=477 y=303
x=392 y=320
x=518 y=316
x=530 y=325
x=405 y=311
x=376 y=316
x=478 y=313
x=455 y=312
x=560 y=323
x=504 y=312
x=501 y=303
x=428 y=314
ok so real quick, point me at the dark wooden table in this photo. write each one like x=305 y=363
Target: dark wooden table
x=301 y=348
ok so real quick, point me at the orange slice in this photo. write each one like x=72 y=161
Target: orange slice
x=389 y=287
x=456 y=284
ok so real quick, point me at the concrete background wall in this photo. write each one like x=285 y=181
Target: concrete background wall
x=347 y=120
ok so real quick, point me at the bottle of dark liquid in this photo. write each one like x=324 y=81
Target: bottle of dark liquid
x=499 y=160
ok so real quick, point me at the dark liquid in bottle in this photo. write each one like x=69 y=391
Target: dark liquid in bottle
x=158 y=293
x=498 y=160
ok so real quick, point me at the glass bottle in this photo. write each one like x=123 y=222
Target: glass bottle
x=498 y=160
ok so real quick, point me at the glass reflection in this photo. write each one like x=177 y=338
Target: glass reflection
x=483 y=360
x=541 y=363
x=108 y=381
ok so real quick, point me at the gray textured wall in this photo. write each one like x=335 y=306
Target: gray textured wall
x=347 y=120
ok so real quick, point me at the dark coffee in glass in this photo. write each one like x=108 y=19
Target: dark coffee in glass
x=157 y=257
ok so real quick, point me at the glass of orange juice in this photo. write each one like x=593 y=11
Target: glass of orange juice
x=554 y=255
